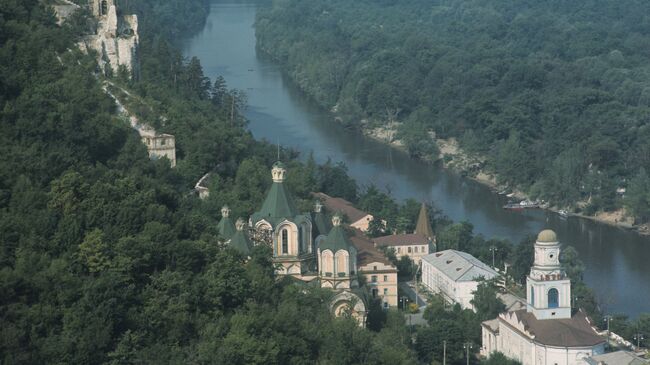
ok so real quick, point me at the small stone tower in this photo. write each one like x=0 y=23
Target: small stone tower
x=548 y=289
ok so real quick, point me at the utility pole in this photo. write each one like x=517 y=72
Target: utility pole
x=444 y=352
x=608 y=318
x=415 y=279
x=232 y=109
x=467 y=346
x=493 y=249
x=638 y=337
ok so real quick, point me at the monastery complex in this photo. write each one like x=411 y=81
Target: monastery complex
x=314 y=248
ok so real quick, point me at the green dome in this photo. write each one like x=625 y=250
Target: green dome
x=337 y=239
x=240 y=241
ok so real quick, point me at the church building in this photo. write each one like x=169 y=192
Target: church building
x=313 y=248
x=289 y=232
x=548 y=331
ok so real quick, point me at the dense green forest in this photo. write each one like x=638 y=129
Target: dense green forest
x=554 y=94
x=107 y=257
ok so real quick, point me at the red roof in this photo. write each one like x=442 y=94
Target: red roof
x=335 y=205
x=401 y=240
x=366 y=251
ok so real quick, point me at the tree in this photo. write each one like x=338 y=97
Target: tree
x=93 y=252
x=573 y=266
x=637 y=196
x=498 y=358
x=486 y=302
x=455 y=237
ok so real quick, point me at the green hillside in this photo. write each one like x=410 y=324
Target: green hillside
x=554 y=94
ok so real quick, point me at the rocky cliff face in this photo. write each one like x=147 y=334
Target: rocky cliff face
x=116 y=38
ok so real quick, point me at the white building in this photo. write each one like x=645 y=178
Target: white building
x=546 y=332
x=455 y=275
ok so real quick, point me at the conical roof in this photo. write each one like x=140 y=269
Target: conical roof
x=225 y=226
x=321 y=225
x=278 y=203
x=423 y=226
x=240 y=241
x=337 y=239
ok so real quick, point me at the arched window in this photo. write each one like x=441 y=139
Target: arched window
x=301 y=239
x=532 y=296
x=285 y=242
x=327 y=262
x=104 y=7
x=553 y=298
x=342 y=263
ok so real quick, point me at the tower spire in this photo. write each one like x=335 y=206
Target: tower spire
x=423 y=226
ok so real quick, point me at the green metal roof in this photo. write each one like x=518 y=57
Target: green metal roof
x=321 y=223
x=277 y=206
x=241 y=243
x=336 y=240
x=226 y=228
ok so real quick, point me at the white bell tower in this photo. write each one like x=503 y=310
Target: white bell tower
x=548 y=289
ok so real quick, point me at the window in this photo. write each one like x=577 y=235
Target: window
x=532 y=296
x=374 y=293
x=374 y=268
x=104 y=8
x=409 y=249
x=373 y=278
x=553 y=298
x=385 y=277
x=399 y=250
x=385 y=291
x=424 y=250
x=285 y=242
x=300 y=239
x=416 y=249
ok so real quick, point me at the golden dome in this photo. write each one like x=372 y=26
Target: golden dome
x=547 y=235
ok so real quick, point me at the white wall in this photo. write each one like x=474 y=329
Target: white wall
x=454 y=292
x=515 y=346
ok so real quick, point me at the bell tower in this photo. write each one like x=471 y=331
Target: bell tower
x=548 y=289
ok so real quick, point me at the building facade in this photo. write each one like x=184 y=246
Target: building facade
x=312 y=248
x=289 y=232
x=547 y=332
x=379 y=274
x=455 y=275
x=413 y=245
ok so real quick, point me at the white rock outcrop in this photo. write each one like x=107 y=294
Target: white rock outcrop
x=116 y=38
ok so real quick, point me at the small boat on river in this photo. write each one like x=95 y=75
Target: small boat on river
x=524 y=204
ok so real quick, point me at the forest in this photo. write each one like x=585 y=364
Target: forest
x=553 y=96
x=107 y=257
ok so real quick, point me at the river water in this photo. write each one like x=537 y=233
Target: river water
x=617 y=261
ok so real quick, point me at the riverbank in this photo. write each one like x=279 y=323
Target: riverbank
x=454 y=158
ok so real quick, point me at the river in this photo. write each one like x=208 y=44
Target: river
x=617 y=261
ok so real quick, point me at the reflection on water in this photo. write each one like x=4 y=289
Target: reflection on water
x=617 y=261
